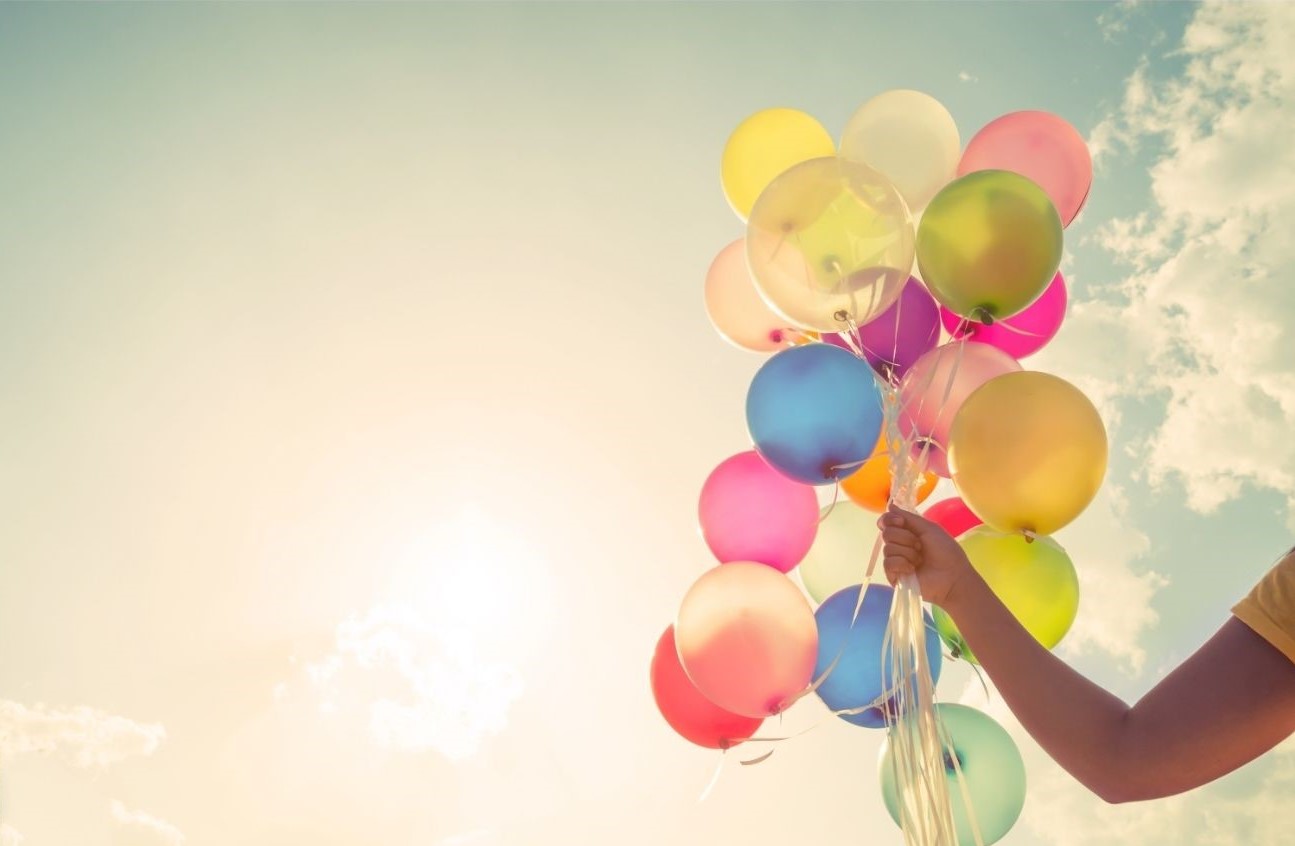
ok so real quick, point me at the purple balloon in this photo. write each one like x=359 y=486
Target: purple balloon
x=1021 y=334
x=900 y=335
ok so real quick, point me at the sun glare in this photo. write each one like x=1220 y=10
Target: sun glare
x=439 y=661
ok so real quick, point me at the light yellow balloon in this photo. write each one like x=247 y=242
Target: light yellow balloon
x=1035 y=579
x=762 y=147
x=830 y=242
x=1027 y=451
x=908 y=136
x=841 y=551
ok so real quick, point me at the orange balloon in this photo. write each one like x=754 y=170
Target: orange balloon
x=869 y=486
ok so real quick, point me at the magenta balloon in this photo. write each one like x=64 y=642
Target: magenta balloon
x=1041 y=147
x=895 y=339
x=936 y=386
x=751 y=512
x=1021 y=334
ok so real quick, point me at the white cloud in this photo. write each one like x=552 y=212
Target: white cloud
x=1061 y=812
x=1115 y=600
x=415 y=690
x=1114 y=19
x=155 y=830
x=84 y=736
x=10 y=836
x=967 y=77
x=437 y=666
x=1205 y=318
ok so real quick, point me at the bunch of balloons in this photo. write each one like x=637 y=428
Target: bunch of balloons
x=895 y=282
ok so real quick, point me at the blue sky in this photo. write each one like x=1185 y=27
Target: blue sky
x=352 y=354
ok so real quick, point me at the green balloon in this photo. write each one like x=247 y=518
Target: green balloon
x=991 y=767
x=1034 y=579
x=989 y=244
x=841 y=551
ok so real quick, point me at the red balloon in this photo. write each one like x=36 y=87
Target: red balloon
x=692 y=715
x=953 y=516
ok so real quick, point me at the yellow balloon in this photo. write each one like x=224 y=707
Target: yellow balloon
x=830 y=242
x=989 y=243
x=910 y=137
x=1027 y=451
x=763 y=146
x=1035 y=579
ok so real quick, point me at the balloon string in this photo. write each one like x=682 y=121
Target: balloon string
x=791 y=335
x=1006 y=327
x=714 y=776
x=963 y=787
x=917 y=736
x=836 y=497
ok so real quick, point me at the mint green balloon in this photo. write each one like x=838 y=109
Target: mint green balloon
x=841 y=551
x=991 y=765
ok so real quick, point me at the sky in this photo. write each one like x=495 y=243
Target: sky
x=357 y=392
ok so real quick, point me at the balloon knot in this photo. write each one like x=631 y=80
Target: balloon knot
x=1030 y=535
x=841 y=315
x=985 y=314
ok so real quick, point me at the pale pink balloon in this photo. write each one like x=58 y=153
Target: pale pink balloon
x=735 y=307
x=747 y=638
x=1040 y=146
x=751 y=512
x=1021 y=334
x=936 y=386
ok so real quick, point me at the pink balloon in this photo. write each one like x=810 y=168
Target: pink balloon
x=1041 y=147
x=751 y=512
x=747 y=638
x=735 y=307
x=1021 y=334
x=953 y=516
x=936 y=386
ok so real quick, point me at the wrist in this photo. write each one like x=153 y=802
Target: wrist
x=966 y=590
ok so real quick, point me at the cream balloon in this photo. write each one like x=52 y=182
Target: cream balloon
x=910 y=138
x=841 y=551
x=830 y=243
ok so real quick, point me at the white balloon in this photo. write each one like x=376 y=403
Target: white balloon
x=910 y=138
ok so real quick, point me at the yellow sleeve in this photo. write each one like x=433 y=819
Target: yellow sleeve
x=1269 y=608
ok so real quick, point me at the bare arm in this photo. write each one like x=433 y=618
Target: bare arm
x=1228 y=703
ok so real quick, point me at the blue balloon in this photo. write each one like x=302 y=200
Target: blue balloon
x=812 y=409
x=857 y=677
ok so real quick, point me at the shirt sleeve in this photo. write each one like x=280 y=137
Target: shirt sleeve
x=1269 y=608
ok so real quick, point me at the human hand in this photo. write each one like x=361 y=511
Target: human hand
x=914 y=544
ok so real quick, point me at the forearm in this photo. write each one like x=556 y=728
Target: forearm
x=1076 y=722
